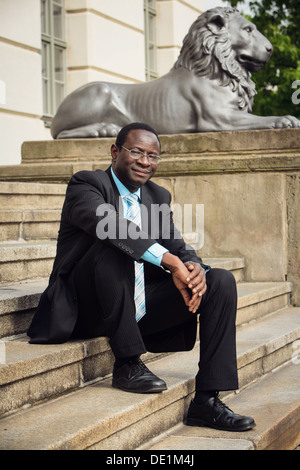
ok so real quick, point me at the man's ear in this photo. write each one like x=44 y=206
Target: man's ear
x=114 y=152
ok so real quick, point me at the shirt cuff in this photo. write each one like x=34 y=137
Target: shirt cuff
x=154 y=254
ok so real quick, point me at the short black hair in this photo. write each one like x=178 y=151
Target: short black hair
x=122 y=136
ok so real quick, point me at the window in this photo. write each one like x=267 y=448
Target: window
x=150 y=38
x=53 y=54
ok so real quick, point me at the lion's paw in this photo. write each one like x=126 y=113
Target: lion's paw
x=107 y=130
x=99 y=129
x=286 y=122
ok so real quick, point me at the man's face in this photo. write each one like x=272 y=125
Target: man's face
x=135 y=173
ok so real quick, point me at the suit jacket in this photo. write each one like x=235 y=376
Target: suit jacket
x=87 y=191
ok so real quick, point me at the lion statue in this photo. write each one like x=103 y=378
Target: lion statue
x=209 y=88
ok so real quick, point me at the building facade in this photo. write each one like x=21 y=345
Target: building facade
x=48 y=48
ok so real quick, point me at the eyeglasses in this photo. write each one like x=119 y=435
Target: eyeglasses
x=137 y=154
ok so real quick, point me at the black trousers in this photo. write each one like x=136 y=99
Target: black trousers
x=104 y=280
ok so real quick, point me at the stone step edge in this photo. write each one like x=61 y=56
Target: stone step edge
x=83 y=419
x=29 y=216
x=22 y=298
x=30 y=289
x=16 y=251
x=275 y=430
x=25 y=297
x=264 y=290
x=42 y=357
x=253 y=347
x=12 y=188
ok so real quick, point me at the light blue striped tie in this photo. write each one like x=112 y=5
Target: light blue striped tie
x=134 y=214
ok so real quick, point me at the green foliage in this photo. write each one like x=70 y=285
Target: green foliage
x=279 y=21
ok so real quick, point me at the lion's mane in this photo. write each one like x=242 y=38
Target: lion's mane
x=209 y=53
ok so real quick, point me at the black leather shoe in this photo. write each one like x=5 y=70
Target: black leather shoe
x=135 y=377
x=215 y=414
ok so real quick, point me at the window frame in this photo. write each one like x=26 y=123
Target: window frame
x=150 y=14
x=52 y=44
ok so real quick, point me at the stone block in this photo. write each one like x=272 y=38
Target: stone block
x=20 y=261
x=244 y=215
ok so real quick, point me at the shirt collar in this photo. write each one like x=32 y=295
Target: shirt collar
x=122 y=189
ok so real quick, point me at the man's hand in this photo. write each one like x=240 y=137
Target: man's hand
x=197 y=278
x=196 y=282
x=189 y=278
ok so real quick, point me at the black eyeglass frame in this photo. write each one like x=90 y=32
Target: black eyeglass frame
x=137 y=154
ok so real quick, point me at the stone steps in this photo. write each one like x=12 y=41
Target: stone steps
x=20 y=196
x=93 y=417
x=60 y=396
x=29 y=225
x=22 y=261
x=17 y=303
x=19 y=299
x=275 y=406
x=30 y=211
x=32 y=263
x=31 y=373
x=81 y=361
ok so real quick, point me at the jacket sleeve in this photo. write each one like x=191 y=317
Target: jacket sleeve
x=90 y=205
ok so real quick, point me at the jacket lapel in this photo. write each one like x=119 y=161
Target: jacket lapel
x=117 y=200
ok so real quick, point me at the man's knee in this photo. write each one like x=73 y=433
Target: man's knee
x=222 y=281
x=226 y=279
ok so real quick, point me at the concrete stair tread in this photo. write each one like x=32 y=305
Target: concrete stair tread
x=248 y=292
x=12 y=187
x=258 y=338
x=25 y=196
x=29 y=215
x=22 y=266
x=11 y=290
x=39 y=250
x=96 y=413
x=262 y=290
x=10 y=250
x=81 y=418
x=22 y=260
x=267 y=334
x=20 y=246
x=25 y=360
x=17 y=298
x=274 y=406
x=254 y=293
x=101 y=407
x=281 y=321
x=27 y=287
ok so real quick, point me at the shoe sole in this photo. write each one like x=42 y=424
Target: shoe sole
x=148 y=390
x=199 y=423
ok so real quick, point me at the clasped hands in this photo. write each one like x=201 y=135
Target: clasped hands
x=189 y=278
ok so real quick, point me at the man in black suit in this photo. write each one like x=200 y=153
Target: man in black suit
x=122 y=270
